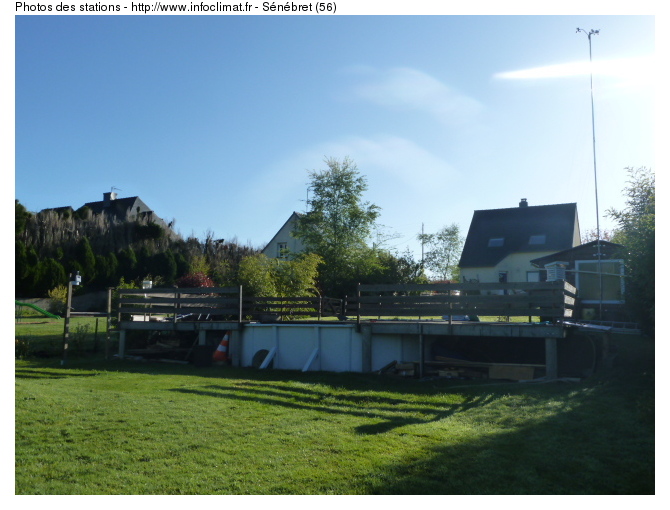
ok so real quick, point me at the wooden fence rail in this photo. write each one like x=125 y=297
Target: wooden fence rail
x=220 y=303
x=545 y=299
x=291 y=307
x=210 y=302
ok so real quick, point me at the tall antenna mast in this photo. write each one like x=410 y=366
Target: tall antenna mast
x=595 y=173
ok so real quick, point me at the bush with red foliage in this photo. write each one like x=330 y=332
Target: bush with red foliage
x=195 y=280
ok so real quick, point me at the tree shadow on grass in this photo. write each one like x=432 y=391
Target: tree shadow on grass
x=543 y=458
x=49 y=374
x=585 y=438
x=595 y=439
x=387 y=413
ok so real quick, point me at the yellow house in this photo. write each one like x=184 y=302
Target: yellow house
x=502 y=242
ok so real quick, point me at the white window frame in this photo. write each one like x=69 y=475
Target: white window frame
x=528 y=273
x=282 y=248
x=622 y=283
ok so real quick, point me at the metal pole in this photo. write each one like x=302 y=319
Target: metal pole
x=595 y=173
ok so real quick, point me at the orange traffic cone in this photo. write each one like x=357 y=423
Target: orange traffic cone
x=221 y=352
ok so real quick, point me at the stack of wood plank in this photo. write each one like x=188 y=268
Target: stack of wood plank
x=453 y=367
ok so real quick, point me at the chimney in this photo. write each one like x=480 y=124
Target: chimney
x=107 y=198
x=523 y=203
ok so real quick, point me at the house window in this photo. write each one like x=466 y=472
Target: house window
x=496 y=241
x=588 y=281
x=532 y=276
x=282 y=249
x=538 y=239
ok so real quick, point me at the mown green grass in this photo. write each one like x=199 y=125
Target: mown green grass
x=43 y=337
x=97 y=427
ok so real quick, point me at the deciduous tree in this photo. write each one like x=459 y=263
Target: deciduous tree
x=443 y=250
x=262 y=276
x=592 y=235
x=338 y=224
x=637 y=232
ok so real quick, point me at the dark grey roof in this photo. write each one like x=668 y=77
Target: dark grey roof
x=585 y=251
x=120 y=207
x=516 y=225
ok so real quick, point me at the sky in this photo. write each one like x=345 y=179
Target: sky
x=216 y=121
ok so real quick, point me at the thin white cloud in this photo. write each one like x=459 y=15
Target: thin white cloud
x=412 y=90
x=402 y=176
x=384 y=158
x=638 y=70
x=407 y=181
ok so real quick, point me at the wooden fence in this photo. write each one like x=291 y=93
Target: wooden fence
x=219 y=304
x=272 y=308
x=551 y=300
x=545 y=299
x=204 y=303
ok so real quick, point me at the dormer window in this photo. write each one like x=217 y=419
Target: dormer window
x=538 y=239
x=495 y=242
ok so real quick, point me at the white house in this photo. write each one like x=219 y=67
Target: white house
x=283 y=242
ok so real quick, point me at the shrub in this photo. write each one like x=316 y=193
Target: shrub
x=49 y=273
x=195 y=280
x=21 y=347
x=149 y=231
x=58 y=297
x=79 y=338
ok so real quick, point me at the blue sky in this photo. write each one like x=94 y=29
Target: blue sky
x=215 y=121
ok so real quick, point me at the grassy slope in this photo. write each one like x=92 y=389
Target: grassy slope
x=140 y=428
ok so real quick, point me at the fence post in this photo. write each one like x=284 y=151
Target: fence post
x=366 y=346
x=95 y=336
x=421 y=351
x=239 y=319
x=176 y=306
x=358 y=307
x=109 y=320
x=451 y=308
x=66 y=326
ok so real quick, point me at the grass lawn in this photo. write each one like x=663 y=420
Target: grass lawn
x=124 y=427
x=43 y=337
